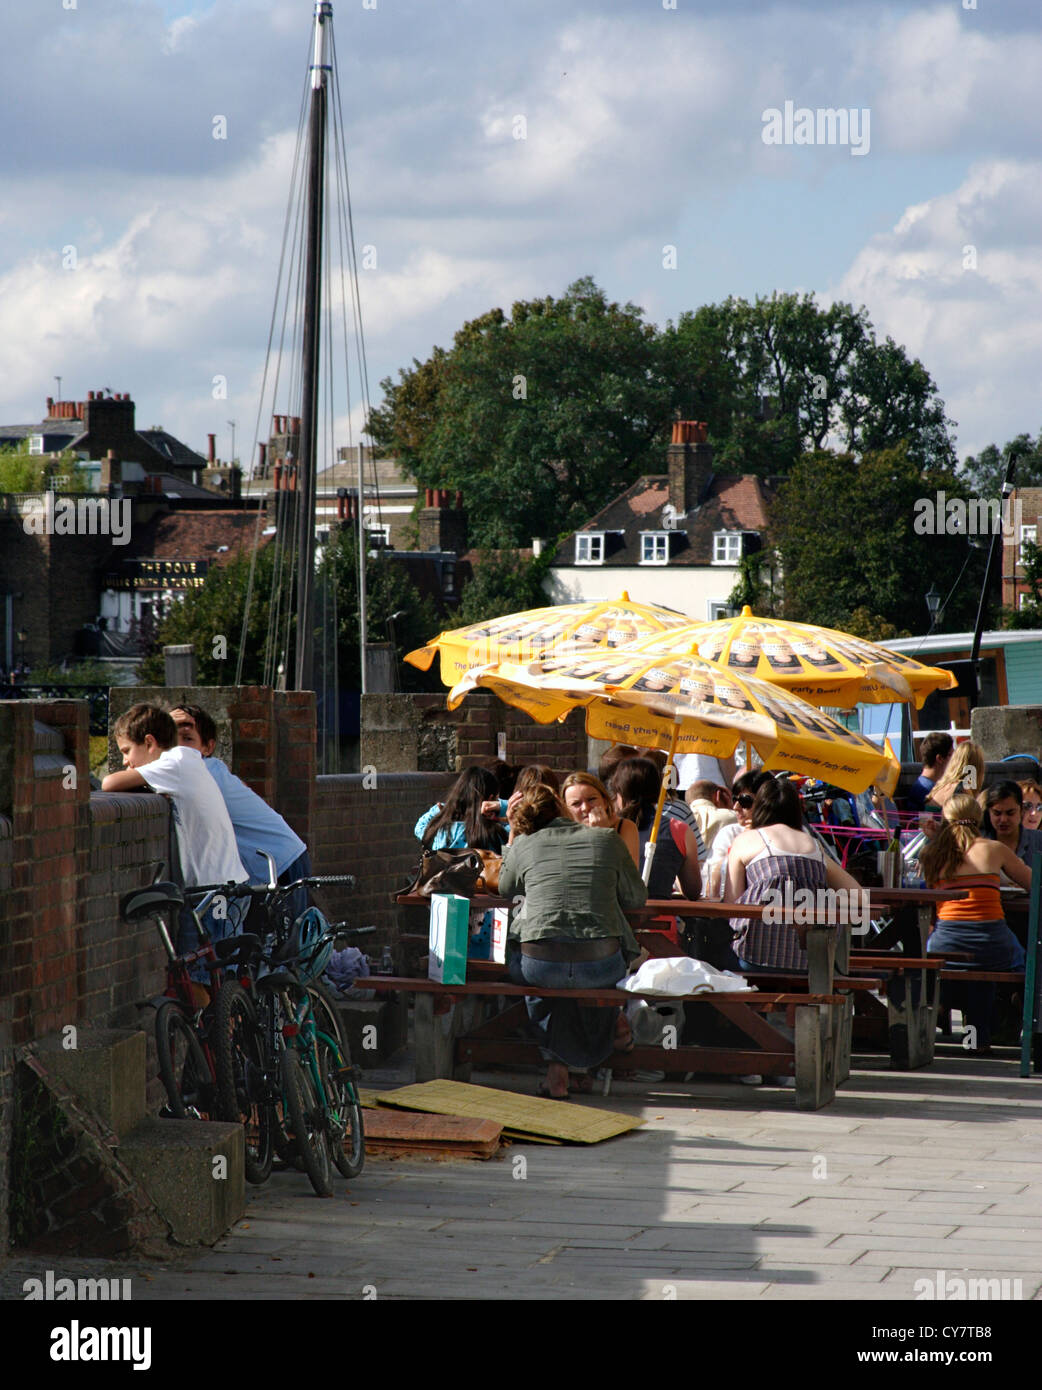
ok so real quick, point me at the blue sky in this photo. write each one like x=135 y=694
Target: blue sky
x=644 y=128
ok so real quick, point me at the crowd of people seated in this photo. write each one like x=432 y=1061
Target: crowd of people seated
x=574 y=845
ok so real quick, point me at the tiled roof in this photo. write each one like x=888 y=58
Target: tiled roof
x=197 y=535
x=736 y=502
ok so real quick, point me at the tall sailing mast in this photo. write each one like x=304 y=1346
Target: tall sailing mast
x=320 y=68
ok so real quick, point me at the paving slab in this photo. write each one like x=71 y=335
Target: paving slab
x=714 y=1198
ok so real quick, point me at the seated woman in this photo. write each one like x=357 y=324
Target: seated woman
x=959 y=857
x=472 y=816
x=635 y=784
x=577 y=883
x=774 y=852
x=589 y=802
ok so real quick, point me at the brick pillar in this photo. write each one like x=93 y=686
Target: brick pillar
x=295 y=762
x=45 y=791
x=251 y=714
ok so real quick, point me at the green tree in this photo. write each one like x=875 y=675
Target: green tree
x=21 y=471
x=543 y=415
x=393 y=605
x=782 y=377
x=983 y=474
x=851 y=557
x=214 y=612
x=503 y=582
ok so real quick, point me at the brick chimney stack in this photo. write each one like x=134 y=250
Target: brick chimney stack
x=441 y=525
x=690 y=461
x=111 y=471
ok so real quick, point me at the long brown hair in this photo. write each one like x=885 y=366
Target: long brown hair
x=940 y=859
x=463 y=803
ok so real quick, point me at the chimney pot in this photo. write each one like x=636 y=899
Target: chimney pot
x=211 y=449
x=50 y=404
x=296 y=424
x=90 y=395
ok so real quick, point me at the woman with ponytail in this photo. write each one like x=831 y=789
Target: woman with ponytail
x=959 y=857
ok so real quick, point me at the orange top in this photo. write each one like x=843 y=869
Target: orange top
x=984 y=903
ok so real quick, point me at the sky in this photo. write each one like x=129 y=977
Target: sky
x=139 y=253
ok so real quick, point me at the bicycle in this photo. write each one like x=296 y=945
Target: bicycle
x=184 y=1012
x=277 y=1039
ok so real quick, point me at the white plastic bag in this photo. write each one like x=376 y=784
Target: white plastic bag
x=676 y=975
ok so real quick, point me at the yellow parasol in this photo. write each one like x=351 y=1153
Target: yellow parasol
x=540 y=633
x=685 y=705
x=818 y=664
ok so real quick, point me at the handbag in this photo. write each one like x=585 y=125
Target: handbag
x=492 y=863
x=445 y=871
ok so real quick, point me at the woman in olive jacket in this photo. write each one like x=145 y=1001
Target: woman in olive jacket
x=577 y=882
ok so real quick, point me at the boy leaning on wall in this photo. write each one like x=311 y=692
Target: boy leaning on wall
x=153 y=759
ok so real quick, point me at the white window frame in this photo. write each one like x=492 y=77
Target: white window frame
x=717 y=608
x=1027 y=533
x=36 y=444
x=594 y=542
x=727 y=541
x=657 y=543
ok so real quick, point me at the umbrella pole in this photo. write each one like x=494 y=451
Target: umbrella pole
x=649 y=848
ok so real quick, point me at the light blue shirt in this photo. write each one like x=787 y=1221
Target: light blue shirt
x=256 y=825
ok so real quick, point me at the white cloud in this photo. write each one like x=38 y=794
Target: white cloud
x=959 y=282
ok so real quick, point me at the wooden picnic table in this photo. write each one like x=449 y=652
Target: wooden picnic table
x=452 y=1033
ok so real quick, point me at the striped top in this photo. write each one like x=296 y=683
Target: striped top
x=983 y=905
x=775 y=944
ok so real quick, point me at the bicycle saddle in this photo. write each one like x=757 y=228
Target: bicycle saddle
x=145 y=902
x=237 y=949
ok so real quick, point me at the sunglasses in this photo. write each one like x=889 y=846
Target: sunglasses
x=745 y=801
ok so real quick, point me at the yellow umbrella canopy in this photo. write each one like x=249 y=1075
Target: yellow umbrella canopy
x=538 y=633
x=686 y=705
x=818 y=664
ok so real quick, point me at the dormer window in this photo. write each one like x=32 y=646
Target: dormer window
x=654 y=547
x=727 y=547
x=36 y=444
x=589 y=548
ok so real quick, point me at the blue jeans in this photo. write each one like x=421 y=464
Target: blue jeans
x=579 y=1035
x=993 y=947
x=229 y=924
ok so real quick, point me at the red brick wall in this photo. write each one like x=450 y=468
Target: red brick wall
x=46 y=789
x=364 y=826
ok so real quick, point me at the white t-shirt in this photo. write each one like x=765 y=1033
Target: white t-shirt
x=205 y=839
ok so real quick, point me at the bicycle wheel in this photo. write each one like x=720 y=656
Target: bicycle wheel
x=242 y=1076
x=183 y=1067
x=302 y=1109
x=344 y=1127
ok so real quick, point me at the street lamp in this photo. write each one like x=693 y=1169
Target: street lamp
x=933 y=603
